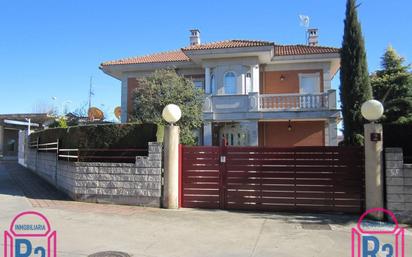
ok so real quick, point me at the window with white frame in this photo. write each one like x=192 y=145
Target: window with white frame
x=229 y=83
x=309 y=83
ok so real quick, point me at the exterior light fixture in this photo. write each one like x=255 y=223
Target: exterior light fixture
x=289 y=126
x=171 y=113
x=372 y=110
x=282 y=77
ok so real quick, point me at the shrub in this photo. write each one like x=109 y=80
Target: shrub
x=100 y=136
x=399 y=135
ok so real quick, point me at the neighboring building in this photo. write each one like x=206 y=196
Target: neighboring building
x=11 y=124
x=257 y=92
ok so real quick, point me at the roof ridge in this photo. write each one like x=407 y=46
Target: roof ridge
x=229 y=43
x=306 y=45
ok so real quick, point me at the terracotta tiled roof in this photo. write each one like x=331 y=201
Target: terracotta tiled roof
x=172 y=56
x=180 y=56
x=235 y=43
x=282 y=50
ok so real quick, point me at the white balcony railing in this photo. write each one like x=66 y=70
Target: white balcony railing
x=270 y=102
x=274 y=102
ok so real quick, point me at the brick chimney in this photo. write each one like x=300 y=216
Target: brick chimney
x=313 y=37
x=194 y=37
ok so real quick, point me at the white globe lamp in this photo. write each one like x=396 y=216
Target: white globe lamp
x=372 y=110
x=171 y=113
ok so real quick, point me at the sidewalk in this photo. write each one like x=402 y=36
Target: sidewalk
x=85 y=228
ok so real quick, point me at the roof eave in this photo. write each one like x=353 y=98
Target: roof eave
x=117 y=70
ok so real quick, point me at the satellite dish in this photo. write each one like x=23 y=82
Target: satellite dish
x=304 y=20
x=95 y=113
x=118 y=112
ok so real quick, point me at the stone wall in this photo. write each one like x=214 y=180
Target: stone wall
x=136 y=183
x=398 y=185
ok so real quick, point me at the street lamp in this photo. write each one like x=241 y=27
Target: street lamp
x=171 y=113
x=372 y=110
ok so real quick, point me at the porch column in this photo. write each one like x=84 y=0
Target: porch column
x=123 y=116
x=1 y=140
x=255 y=77
x=207 y=133
x=327 y=82
x=333 y=132
x=253 y=132
x=208 y=90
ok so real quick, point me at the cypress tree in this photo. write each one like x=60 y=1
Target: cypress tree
x=355 y=87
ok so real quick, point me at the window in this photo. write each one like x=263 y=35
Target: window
x=309 y=83
x=230 y=83
x=213 y=84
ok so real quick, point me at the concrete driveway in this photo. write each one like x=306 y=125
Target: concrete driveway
x=85 y=228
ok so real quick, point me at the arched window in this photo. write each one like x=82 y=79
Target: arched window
x=213 y=84
x=230 y=83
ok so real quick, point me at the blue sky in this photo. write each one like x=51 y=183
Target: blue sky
x=51 y=48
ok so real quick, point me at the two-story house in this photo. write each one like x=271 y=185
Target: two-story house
x=257 y=92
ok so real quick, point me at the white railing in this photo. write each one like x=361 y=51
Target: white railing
x=272 y=102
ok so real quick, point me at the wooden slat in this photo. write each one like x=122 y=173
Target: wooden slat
x=256 y=178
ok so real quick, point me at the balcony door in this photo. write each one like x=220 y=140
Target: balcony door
x=234 y=134
x=309 y=84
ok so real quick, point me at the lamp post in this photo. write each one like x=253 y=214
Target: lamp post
x=372 y=110
x=171 y=113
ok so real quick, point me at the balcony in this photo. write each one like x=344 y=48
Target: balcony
x=255 y=102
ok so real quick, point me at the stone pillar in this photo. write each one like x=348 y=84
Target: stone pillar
x=171 y=167
x=208 y=90
x=1 y=140
x=373 y=169
x=398 y=185
x=207 y=133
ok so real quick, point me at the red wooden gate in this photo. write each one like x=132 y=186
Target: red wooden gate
x=329 y=179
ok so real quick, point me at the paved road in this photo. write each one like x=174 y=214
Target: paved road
x=85 y=228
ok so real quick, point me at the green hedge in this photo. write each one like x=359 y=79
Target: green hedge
x=112 y=136
x=399 y=135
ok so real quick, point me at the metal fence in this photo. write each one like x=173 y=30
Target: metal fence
x=89 y=154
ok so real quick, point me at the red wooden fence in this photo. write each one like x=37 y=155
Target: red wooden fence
x=275 y=179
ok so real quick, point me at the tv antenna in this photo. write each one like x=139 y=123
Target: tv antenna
x=304 y=22
x=91 y=93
